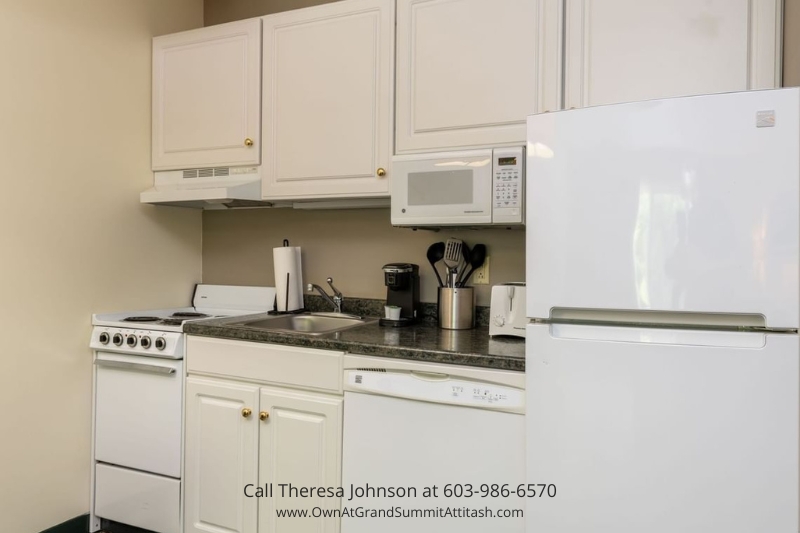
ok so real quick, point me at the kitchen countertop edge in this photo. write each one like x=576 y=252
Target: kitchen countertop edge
x=220 y=328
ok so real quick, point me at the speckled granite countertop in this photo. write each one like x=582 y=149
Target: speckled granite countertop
x=471 y=347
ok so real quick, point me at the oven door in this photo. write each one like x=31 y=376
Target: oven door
x=138 y=412
x=453 y=188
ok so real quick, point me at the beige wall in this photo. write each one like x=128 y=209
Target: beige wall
x=75 y=153
x=791 y=43
x=349 y=246
x=219 y=11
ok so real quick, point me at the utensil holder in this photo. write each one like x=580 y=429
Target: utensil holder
x=456 y=308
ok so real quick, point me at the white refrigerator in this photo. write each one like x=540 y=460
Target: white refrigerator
x=663 y=357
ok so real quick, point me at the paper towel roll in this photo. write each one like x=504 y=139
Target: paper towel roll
x=287 y=260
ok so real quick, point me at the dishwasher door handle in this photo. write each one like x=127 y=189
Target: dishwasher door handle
x=139 y=367
x=429 y=376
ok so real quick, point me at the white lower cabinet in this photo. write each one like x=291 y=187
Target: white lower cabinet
x=244 y=437
x=221 y=456
x=301 y=444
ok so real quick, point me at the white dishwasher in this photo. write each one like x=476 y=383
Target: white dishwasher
x=409 y=426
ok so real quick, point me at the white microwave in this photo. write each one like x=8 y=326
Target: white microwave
x=469 y=188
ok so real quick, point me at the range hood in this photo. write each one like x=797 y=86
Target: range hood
x=207 y=188
x=231 y=188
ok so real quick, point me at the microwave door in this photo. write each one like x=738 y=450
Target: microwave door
x=446 y=190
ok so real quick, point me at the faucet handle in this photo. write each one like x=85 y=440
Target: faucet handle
x=335 y=290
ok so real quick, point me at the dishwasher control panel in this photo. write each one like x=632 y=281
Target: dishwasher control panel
x=479 y=393
x=437 y=388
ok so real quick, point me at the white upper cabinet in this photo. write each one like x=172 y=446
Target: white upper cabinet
x=627 y=50
x=207 y=97
x=470 y=71
x=327 y=121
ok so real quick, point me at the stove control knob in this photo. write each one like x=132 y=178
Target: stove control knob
x=131 y=341
x=117 y=339
x=145 y=342
x=499 y=320
x=161 y=343
x=104 y=338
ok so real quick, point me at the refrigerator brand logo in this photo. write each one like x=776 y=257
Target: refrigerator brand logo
x=765 y=119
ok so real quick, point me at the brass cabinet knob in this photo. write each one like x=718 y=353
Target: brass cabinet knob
x=263 y=415
x=381 y=172
x=248 y=142
x=247 y=412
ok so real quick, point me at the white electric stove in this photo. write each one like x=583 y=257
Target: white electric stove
x=158 y=333
x=138 y=405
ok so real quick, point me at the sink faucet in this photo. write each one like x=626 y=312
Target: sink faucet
x=335 y=301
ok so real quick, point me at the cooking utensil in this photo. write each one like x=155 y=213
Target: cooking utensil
x=436 y=254
x=452 y=259
x=466 y=252
x=476 y=259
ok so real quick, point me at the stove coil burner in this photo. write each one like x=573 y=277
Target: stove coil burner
x=141 y=319
x=187 y=314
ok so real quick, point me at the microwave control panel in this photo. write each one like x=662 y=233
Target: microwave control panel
x=508 y=185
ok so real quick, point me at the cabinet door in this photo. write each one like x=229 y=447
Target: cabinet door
x=221 y=456
x=627 y=50
x=327 y=100
x=470 y=71
x=301 y=444
x=207 y=97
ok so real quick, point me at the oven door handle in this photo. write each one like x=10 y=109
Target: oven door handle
x=124 y=365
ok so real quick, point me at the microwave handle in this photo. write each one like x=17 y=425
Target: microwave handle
x=124 y=365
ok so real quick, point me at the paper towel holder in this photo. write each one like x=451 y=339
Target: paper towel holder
x=275 y=303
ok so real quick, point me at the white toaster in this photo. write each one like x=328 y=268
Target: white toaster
x=508 y=310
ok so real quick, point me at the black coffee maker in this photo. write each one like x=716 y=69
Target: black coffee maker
x=402 y=283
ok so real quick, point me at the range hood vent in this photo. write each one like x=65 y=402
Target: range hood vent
x=207 y=188
x=206 y=173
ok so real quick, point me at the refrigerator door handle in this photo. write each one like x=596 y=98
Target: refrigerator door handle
x=670 y=336
x=664 y=318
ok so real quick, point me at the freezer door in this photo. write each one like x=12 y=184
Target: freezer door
x=687 y=204
x=662 y=431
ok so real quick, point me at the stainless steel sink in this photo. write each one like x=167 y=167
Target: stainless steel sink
x=307 y=324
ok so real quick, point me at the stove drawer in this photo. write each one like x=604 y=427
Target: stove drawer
x=138 y=412
x=138 y=499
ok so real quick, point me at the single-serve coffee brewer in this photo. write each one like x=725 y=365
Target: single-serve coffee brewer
x=402 y=294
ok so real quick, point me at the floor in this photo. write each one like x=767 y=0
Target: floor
x=113 y=527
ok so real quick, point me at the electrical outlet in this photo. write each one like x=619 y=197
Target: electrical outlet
x=481 y=276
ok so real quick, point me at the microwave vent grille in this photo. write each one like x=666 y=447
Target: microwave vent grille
x=206 y=172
